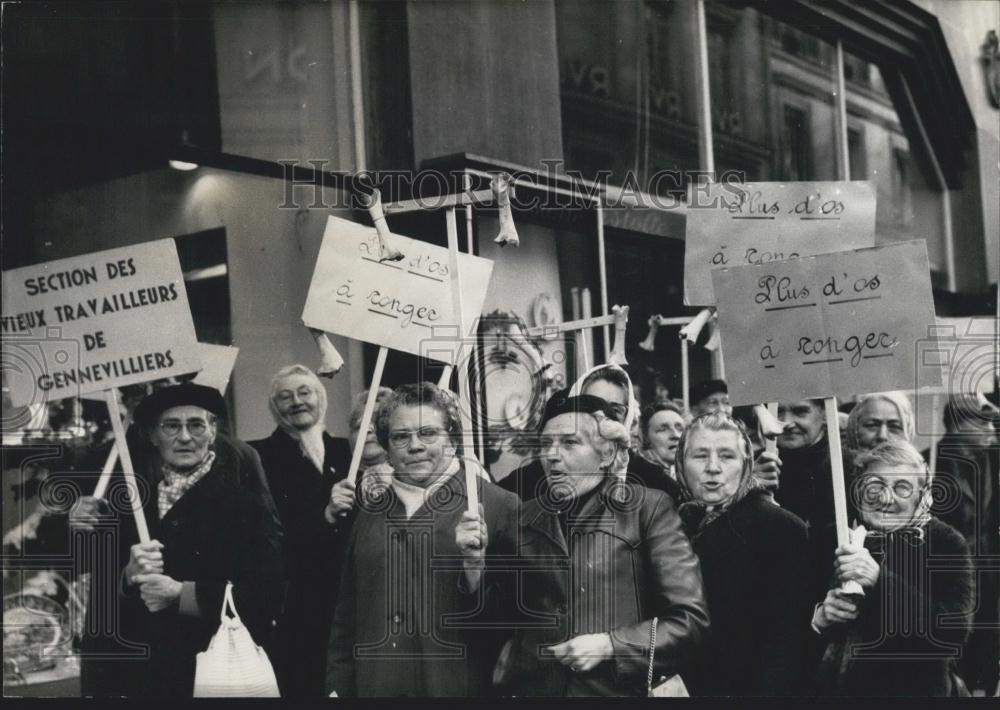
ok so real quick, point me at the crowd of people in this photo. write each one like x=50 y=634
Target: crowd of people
x=640 y=550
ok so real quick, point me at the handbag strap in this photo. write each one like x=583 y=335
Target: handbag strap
x=227 y=602
x=652 y=652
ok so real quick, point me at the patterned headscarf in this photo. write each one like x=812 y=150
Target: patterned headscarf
x=695 y=514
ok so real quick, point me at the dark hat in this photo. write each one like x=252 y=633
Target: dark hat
x=187 y=394
x=562 y=403
x=707 y=388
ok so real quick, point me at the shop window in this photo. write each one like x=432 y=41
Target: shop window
x=856 y=154
x=902 y=195
x=796 y=146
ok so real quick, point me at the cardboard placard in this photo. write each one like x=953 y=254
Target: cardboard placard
x=90 y=323
x=394 y=304
x=737 y=224
x=217 y=362
x=829 y=325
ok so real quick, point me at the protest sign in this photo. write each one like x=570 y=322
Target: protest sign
x=217 y=362
x=393 y=304
x=737 y=224
x=829 y=325
x=95 y=322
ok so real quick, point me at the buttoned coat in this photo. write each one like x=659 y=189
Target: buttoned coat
x=405 y=624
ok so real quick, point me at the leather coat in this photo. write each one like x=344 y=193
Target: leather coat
x=625 y=562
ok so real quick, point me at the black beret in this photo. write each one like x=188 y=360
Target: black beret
x=187 y=394
x=707 y=388
x=562 y=403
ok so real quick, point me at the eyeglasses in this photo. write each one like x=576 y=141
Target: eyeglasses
x=873 y=488
x=427 y=434
x=173 y=427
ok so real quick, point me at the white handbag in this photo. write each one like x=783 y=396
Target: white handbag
x=233 y=666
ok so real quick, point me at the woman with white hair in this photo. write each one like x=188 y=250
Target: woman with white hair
x=752 y=556
x=606 y=561
x=903 y=636
x=303 y=462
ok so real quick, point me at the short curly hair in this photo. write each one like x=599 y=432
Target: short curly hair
x=415 y=395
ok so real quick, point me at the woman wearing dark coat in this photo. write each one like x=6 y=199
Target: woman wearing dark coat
x=600 y=559
x=302 y=463
x=753 y=555
x=209 y=522
x=417 y=592
x=904 y=635
x=111 y=639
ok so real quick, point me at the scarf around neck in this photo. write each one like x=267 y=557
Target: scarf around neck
x=176 y=483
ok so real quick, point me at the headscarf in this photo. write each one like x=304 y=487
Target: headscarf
x=695 y=514
x=897 y=399
x=311 y=439
x=620 y=465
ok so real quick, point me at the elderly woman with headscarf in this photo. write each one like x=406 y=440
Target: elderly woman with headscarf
x=902 y=636
x=606 y=571
x=210 y=524
x=752 y=554
x=303 y=462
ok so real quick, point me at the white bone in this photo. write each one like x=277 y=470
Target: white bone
x=768 y=424
x=330 y=360
x=617 y=356
x=500 y=185
x=373 y=203
x=692 y=330
x=649 y=343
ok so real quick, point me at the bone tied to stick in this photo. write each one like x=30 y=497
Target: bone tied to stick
x=330 y=360
x=649 y=344
x=617 y=356
x=770 y=425
x=692 y=330
x=501 y=186
x=373 y=203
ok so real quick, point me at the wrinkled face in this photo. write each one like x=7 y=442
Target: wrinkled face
x=420 y=448
x=889 y=494
x=610 y=393
x=663 y=433
x=570 y=454
x=718 y=402
x=878 y=422
x=297 y=401
x=713 y=463
x=804 y=424
x=182 y=436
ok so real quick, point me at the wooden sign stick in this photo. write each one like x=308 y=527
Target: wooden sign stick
x=366 y=415
x=109 y=466
x=121 y=445
x=685 y=375
x=471 y=482
x=935 y=401
x=839 y=489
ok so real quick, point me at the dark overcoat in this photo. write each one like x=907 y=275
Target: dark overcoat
x=313 y=553
x=405 y=623
x=754 y=564
x=912 y=625
x=222 y=529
